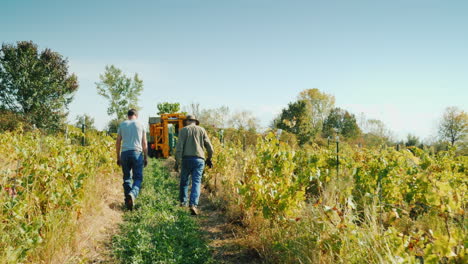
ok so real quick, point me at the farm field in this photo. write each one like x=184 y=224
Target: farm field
x=233 y=132
x=381 y=205
x=49 y=184
x=290 y=204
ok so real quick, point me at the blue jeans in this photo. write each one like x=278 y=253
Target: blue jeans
x=191 y=166
x=132 y=161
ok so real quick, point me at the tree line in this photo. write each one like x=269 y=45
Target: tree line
x=36 y=89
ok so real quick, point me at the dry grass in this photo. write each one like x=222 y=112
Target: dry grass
x=86 y=237
x=101 y=214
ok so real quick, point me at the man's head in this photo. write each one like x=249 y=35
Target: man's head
x=191 y=119
x=132 y=114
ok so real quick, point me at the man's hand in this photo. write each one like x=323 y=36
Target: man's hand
x=145 y=162
x=209 y=163
x=119 y=162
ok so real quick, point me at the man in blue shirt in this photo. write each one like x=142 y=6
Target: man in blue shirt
x=132 y=155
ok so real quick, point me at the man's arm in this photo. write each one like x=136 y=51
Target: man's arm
x=144 y=145
x=207 y=144
x=180 y=145
x=118 y=143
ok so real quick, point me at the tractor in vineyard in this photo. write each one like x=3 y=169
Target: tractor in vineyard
x=163 y=131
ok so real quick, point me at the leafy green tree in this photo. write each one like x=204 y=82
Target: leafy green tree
x=168 y=108
x=113 y=125
x=121 y=91
x=319 y=105
x=412 y=141
x=341 y=122
x=85 y=119
x=35 y=84
x=295 y=119
x=454 y=125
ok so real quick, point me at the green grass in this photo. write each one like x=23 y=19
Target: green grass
x=158 y=231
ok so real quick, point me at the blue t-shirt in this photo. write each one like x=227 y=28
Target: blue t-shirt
x=132 y=133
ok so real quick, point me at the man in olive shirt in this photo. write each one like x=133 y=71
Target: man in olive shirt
x=190 y=153
x=132 y=155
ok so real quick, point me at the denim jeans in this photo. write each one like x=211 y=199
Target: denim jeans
x=191 y=166
x=132 y=161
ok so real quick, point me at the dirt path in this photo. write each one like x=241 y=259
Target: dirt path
x=96 y=229
x=225 y=238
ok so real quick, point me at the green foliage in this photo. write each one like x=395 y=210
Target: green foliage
x=295 y=119
x=241 y=137
x=121 y=91
x=35 y=85
x=10 y=121
x=158 y=231
x=454 y=125
x=341 y=122
x=86 y=120
x=383 y=206
x=113 y=125
x=43 y=183
x=319 y=105
x=270 y=183
x=412 y=141
x=305 y=117
x=168 y=108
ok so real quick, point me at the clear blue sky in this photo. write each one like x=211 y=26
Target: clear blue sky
x=399 y=61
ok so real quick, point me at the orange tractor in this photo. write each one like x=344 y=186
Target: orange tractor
x=163 y=131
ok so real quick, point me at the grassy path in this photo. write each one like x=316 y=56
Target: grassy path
x=158 y=231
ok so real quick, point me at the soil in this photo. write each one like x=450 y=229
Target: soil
x=226 y=239
x=97 y=228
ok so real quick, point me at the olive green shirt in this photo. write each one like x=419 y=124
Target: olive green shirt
x=192 y=141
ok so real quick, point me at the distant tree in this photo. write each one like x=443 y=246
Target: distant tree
x=376 y=127
x=412 y=141
x=121 y=91
x=453 y=125
x=296 y=119
x=193 y=108
x=85 y=119
x=216 y=118
x=168 y=108
x=113 y=125
x=341 y=122
x=375 y=132
x=319 y=105
x=244 y=120
x=35 y=85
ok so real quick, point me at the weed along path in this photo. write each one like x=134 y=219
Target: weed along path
x=225 y=239
x=97 y=226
